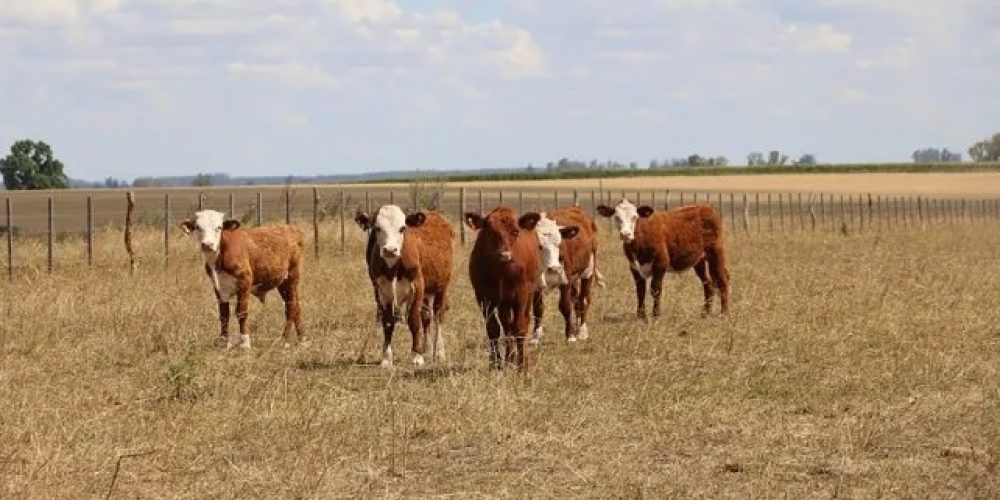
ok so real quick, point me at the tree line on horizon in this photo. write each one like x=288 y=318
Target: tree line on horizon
x=33 y=165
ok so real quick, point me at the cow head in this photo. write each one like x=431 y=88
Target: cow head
x=550 y=236
x=499 y=229
x=389 y=228
x=206 y=229
x=624 y=217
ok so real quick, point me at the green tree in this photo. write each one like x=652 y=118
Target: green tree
x=986 y=149
x=31 y=165
x=202 y=180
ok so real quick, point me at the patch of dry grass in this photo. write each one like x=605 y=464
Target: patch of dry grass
x=859 y=367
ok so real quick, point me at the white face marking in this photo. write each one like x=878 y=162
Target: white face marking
x=624 y=220
x=389 y=226
x=549 y=239
x=208 y=231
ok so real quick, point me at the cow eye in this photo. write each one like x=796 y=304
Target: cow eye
x=402 y=229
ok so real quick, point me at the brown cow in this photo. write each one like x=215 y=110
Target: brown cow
x=505 y=271
x=568 y=242
x=409 y=263
x=673 y=240
x=240 y=262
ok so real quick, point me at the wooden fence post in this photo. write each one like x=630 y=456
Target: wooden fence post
x=781 y=214
x=392 y=196
x=461 y=215
x=756 y=212
x=201 y=200
x=368 y=202
x=732 y=210
x=802 y=215
x=343 y=231
x=316 y=222
x=770 y=214
x=260 y=209
x=90 y=231
x=593 y=204
x=130 y=199
x=746 y=215
x=10 y=240
x=232 y=205
x=500 y=197
x=812 y=214
x=576 y=197
x=850 y=210
x=288 y=206
x=51 y=234
x=520 y=201
x=166 y=229
x=555 y=199
x=480 y=202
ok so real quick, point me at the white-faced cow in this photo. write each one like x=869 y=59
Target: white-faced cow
x=567 y=240
x=409 y=262
x=505 y=271
x=672 y=240
x=240 y=262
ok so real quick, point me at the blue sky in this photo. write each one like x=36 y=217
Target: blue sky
x=126 y=88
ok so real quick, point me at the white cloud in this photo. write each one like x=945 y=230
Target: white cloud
x=292 y=74
x=522 y=58
x=368 y=11
x=817 y=38
x=54 y=12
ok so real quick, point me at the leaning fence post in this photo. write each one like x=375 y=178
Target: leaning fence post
x=520 y=201
x=480 y=201
x=130 y=199
x=812 y=214
x=232 y=205
x=576 y=197
x=316 y=222
x=10 y=240
x=461 y=215
x=51 y=234
x=732 y=210
x=555 y=199
x=90 y=231
x=746 y=215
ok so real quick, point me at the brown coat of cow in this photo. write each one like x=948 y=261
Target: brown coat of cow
x=256 y=261
x=676 y=240
x=578 y=256
x=424 y=264
x=505 y=272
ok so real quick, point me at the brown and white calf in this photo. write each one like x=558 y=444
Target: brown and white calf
x=240 y=262
x=409 y=262
x=567 y=240
x=672 y=240
x=505 y=270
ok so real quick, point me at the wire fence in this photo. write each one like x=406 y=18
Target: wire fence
x=59 y=223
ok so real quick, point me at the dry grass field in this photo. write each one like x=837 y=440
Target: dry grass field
x=860 y=366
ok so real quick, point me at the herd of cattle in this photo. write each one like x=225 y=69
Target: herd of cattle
x=515 y=260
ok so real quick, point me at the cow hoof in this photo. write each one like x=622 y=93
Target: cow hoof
x=536 y=336
x=223 y=342
x=439 y=356
x=386 y=363
x=584 y=332
x=571 y=339
x=418 y=360
x=305 y=342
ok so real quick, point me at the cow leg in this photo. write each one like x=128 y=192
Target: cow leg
x=640 y=294
x=293 y=315
x=582 y=306
x=566 y=309
x=386 y=314
x=415 y=321
x=224 y=320
x=493 y=331
x=242 y=310
x=520 y=324
x=538 y=310
x=701 y=269
x=720 y=275
x=426 y=321
x=440 y=305
x=656 y=289
x=507 y=317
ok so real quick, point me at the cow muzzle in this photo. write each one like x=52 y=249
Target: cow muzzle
x=207 y=247
x=390 y=252
x=626 y=237
x=506 y=257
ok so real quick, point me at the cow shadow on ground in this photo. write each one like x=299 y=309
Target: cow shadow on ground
x=431 y=373
x=334 y=364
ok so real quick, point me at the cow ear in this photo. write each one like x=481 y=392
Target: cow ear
x=529 y=220
x=568 y=232
x=363 y=220
x=416 y=220
x=474 y=220
x=605 y=210
x=187 y=226
x=645 y=211
x=231 y=225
